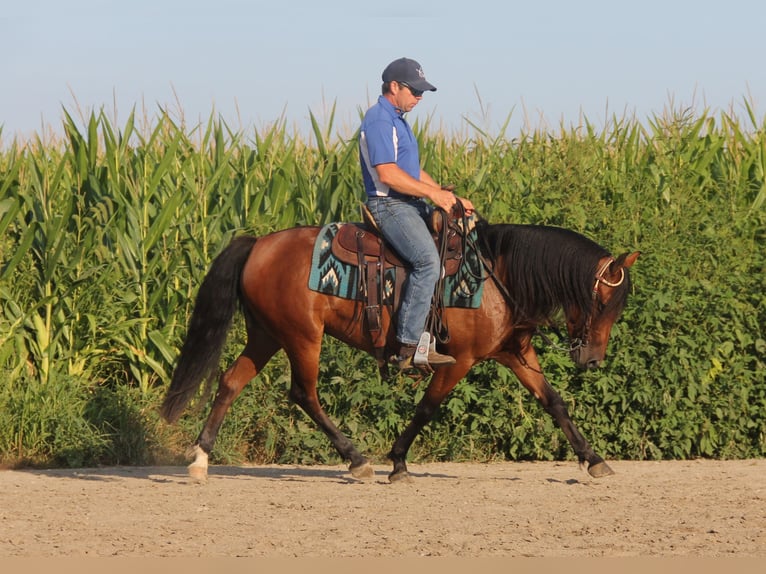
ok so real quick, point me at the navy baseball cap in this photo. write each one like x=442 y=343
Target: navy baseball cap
x=409 y=72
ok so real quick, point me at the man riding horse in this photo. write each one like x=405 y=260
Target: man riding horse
x=397 y=188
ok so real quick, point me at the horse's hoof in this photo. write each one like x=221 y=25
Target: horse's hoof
x=600 y=470
x=400 y=477
x=197 y=472
x=362 y=471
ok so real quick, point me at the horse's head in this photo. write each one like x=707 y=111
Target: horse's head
x=589 y=329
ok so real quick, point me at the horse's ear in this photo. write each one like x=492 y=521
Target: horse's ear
x=625 y=260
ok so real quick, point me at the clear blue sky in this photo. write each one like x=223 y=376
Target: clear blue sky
x=253 y=62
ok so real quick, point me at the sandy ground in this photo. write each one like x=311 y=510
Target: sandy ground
x=714 y=509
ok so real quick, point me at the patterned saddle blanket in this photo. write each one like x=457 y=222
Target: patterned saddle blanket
x=340 y=278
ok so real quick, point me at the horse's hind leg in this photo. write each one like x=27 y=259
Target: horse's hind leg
x=303 y=391
x=259 y=349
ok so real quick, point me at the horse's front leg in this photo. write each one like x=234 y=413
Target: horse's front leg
x=527 y=368
x=440 y=386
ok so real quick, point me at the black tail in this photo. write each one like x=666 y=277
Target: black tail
x=217 y=301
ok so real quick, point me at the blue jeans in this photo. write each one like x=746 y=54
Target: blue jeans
x=403 y=224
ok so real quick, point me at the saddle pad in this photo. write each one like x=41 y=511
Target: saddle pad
x=331 y=276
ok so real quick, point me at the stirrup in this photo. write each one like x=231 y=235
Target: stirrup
x=420 y=358
x=426 y=355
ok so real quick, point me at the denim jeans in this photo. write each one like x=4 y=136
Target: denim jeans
x=403 y=224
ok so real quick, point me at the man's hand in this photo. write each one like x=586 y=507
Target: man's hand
x=467 y=205
x=443 y=199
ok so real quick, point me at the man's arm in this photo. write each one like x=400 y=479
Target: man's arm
x=396 y=178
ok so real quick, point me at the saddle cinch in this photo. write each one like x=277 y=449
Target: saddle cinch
x=362 y=245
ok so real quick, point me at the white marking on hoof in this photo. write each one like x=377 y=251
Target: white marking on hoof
x=198 y=469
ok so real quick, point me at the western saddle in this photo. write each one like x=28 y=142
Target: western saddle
x=361 y=244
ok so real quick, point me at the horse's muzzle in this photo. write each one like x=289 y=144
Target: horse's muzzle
x=586 y=358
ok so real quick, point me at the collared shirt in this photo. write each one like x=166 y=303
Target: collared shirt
x=386 y=137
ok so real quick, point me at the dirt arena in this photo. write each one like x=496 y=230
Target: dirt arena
x=713 y=509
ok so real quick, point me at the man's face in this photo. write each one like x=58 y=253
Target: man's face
x=405 y=97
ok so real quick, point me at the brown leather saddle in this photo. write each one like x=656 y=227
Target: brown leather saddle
x=361 y=244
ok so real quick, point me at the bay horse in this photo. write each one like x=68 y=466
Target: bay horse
x=538 y=273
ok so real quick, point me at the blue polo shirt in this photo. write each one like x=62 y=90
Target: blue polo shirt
x=386 y=137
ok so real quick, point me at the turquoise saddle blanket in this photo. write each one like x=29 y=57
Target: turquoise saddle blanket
x=331 y=276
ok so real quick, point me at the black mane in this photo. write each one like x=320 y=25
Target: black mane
x=544 y=268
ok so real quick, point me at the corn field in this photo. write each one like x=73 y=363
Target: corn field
x=107 y=232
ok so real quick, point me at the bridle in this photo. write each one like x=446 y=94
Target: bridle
x=581 y=342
